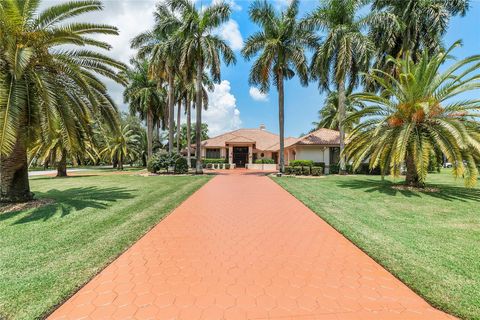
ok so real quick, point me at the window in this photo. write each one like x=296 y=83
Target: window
x=213 y=153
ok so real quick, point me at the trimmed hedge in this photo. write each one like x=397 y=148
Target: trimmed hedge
x=317 y=171
x=297 y=171
x=301 y=163
x=264 y=161
x=207 y=161
x=306 y=171
x=288 y=170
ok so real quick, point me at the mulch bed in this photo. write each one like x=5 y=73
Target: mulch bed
x=12 y=207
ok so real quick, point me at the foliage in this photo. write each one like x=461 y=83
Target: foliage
x=317 y=171
x=328 y=115
x=120 y=146
x=288 y=170
x=297 y=171
x=181 y=166
x=335 y=169
x=183 y=134
x=221 y=160
x=421 y=118
x=306 y=171
x=301 y=163
x=265 y=161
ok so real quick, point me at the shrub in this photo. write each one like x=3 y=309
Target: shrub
x=227 y=166
x=181 y=166
x=193 y=162
x=153 y=164
x=301 y=163
x=265 y=161
x=364 y=168
x=297 y=171
x=335 y=168
x=209 y=165
x=306 y=171
x=207 y=160
x=319 y=164
x=288 y=170
x=317 y=171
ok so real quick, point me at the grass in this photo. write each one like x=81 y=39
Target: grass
x=49 y=252
x=431 y=241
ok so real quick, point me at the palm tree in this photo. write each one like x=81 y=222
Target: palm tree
x=145 y=98
x=423 y=116
x=202 y=47
x=328 y=115
x=411 y=26
x=42 y=75
x=342 y=55
x=121 y=146
x=280 y=46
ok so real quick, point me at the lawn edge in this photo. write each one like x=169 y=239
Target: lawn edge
x=50 y=311
x=398 y=277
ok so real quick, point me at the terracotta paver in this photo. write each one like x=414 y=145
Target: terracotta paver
x=243 y=248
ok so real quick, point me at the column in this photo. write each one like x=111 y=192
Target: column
x=230 y=154
x=250 y=154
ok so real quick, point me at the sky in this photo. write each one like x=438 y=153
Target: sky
x=234 y=103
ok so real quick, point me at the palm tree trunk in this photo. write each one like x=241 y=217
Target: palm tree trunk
x=412 y=178
x=120 y=162
x=189 y=124
x=179 y=109
x=62 y=165
x=149 y=133
x=341 y=120
x=281 y=120
x=198 y=111
x=171 y=111
x=14 y=186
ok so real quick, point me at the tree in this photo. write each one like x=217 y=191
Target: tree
x=201 y=46
x=411 y=26
x=342 y=55
x=280 y=50
x=43 y=74
x=329 y=116
x=421 y=117
x=184 y=134
x=145 y=98
x=121 y=146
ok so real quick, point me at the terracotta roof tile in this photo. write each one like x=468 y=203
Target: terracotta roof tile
x=321 y=136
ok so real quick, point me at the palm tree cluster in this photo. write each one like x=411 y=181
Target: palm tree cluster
x=395 y=51
x=51 y=96
x=170 y=68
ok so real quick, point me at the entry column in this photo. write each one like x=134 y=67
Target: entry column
x=250 y=154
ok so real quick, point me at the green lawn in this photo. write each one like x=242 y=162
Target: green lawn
x=47 y=253
x=431 y=241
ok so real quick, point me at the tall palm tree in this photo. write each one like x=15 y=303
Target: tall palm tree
x=342 y=55
x=43 y=74
x=411 y=26
x=145 y=98
x=201 y=46
x=280 y=46
x=423 y=116
x=329 y=116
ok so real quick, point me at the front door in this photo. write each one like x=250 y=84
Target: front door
x=240 y=156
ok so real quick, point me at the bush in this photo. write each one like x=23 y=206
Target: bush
x=264 y=161
x=364 y=168
x=209 y=165
x=335 y=169
x=153 y=164
x=227 y=166
x=297 y=171
x=181 y=166
x=306 y=171
x=288 y=170
x=317 y=171
x=319 y=164
x=193 y=162
x=207 y=161
x=301 y=163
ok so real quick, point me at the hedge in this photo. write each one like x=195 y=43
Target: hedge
x=317 y=171
x=301 y=163
x=207 y=161
x=181 y=166
x=306 y=171
x=297 y=171
x=264 y=161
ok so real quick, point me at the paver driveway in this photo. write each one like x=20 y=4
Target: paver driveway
x=243 y=248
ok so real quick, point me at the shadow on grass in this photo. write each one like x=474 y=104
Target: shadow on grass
x=446 y=192
x=73 y=199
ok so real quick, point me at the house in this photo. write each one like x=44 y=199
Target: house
x=243 y=146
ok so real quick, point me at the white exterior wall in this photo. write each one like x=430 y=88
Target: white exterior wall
x=316 y=154
x=266 y=154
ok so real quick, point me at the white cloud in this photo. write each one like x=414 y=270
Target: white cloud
x=282 y=3
x=222 y=114
x=231 y=33
x=257 y=95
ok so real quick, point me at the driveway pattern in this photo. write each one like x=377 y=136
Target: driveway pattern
x=243 y=248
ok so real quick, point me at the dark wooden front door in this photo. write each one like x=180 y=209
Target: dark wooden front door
x=240 y=156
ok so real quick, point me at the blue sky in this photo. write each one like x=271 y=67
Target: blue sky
x=232 y=106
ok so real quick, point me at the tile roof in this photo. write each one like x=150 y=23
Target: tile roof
x=268 y=141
